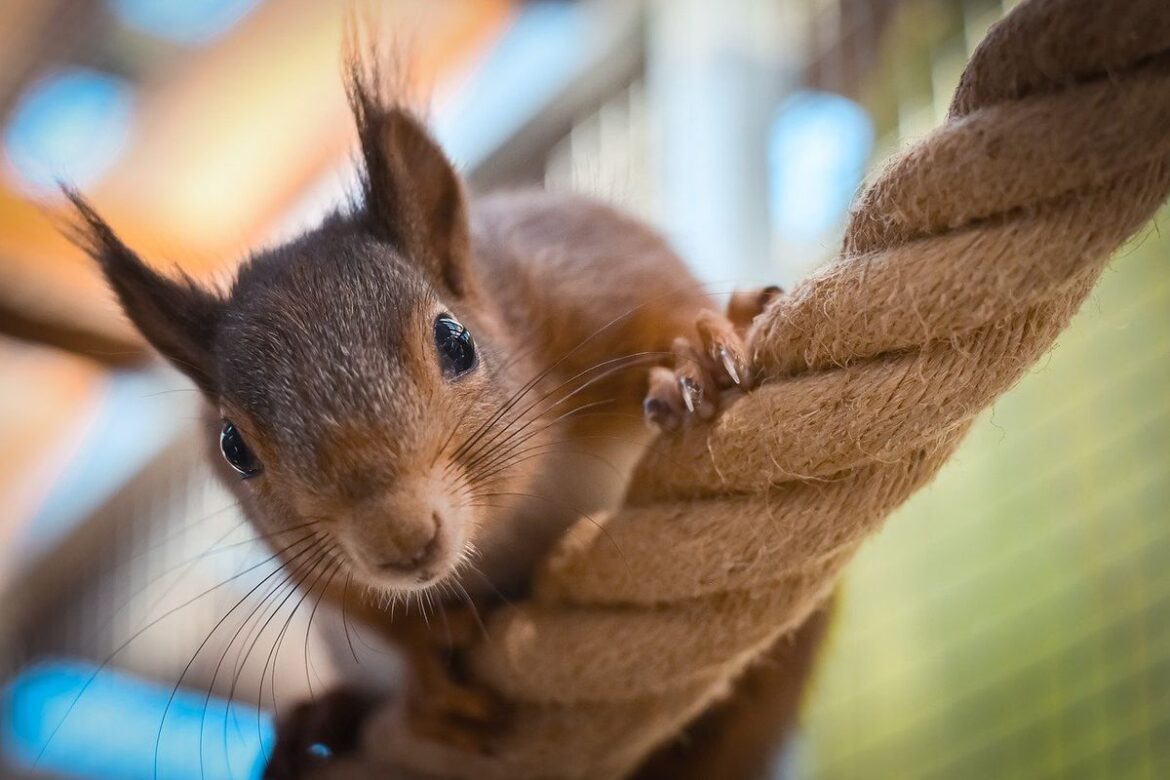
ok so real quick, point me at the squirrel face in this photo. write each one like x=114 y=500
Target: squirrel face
x=345 y=382
x=353 y=372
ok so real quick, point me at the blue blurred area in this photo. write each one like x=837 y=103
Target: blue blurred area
x=819 y=146
x=70 y=719
x=194 y=22
x=543 y=49
x=72 y=125
x=135 y=416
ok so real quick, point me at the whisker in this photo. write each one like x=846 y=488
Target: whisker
x=538 y=450
x=261 y=607
x=540 y=375
x=532 y=382
x=274 y=653
x=490 y=584
x=614 y=364
x=345 y=618
x=106 y=662
x=184 y=527
x=192 y=561
x=191 y=662
x=562 y=445
x=309 y=626
x=496 y=452
x=251 y=629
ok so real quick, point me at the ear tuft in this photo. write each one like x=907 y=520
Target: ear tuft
x=177 y=316
x=412 y=196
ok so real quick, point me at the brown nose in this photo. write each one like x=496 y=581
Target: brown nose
x=405 y=561
x=393 y=536
x=399 y=530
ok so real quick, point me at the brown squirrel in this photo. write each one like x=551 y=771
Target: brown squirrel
x=423 y=392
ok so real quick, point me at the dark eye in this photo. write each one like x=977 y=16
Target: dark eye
x=236 y=452
x=455 y=345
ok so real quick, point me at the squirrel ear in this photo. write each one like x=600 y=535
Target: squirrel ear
x=177 y=316
x=413 y=196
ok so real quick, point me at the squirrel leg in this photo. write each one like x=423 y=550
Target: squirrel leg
x=435 y=705
x=439 y=706
x=436 y=702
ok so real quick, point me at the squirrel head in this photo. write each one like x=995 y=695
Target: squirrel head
x=352 y=370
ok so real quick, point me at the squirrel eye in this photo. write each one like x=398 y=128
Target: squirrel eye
x=455 y=345
x=236 y=452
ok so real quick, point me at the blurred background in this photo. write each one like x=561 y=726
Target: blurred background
x=1012 y=621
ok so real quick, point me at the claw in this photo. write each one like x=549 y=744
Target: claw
x=692 y=393
x=729 y=364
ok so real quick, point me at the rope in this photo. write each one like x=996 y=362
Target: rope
x=961 y=264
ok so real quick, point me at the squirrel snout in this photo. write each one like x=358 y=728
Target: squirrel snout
x=406 y=561
x=402 y=537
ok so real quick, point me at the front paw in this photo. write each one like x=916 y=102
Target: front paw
x=317 y=732
x=708 y=369
x=440 y=703
x=461 y=716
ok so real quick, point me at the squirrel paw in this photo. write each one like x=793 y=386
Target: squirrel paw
x=461 y=716
x=439 y=706
x=707 y=369
x=318 y=731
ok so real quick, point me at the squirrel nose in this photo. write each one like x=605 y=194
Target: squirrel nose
x=408 y=560
x=399 y=533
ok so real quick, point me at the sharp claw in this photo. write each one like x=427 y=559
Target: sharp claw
x=729 y=364
x=692 y=394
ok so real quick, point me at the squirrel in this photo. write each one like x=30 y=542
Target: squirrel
x=423 y=392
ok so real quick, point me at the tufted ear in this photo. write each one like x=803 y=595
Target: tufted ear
x=177 y=316
x=412 y=195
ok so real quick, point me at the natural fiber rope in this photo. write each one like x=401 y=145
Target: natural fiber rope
x=961 y=264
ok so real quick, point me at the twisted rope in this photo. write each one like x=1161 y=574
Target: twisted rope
x=961 y=264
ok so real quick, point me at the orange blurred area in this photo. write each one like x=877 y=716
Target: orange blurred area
x=40 y=414
x=251 y=121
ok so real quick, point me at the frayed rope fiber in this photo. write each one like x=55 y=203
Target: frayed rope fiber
x=961 y=264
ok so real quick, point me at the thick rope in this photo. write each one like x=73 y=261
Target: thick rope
x=961 y=264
